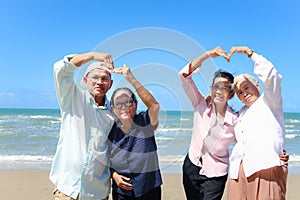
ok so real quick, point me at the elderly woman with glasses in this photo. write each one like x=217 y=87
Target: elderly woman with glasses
x=134 y=162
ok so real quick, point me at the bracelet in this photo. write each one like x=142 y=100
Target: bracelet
x=250 y=52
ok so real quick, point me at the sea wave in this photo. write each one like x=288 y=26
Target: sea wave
x=291 y=136
x=40 y=116
x=184 y=119
x=293 y=131
x=28 y=118
x=54 y=122
x=8 y=158
x=294 y=121
x=171 y=159
x=173 y=129
x=29 y=161
x=289 y=126
x=25 y=161
x=294 y=160
x=163 y=139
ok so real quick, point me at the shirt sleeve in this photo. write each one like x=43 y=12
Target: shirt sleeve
x=271 y=79
x=64 y=82
x=189 y=86
x=143 y=119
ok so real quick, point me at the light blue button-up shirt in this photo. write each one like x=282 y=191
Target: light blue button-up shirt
x=80 y=164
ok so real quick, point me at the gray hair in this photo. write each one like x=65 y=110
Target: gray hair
x=248 y=77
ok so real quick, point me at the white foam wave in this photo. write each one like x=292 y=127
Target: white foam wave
x=163 y=138
x=54 y=122
x=290 y=136
x=289 y=126
x=173 y=129
x=40 y=116
x=25 y=158
x=171 y=159
x=294 y=121
x=294 y=158
x=293 y=131
x=184 y=119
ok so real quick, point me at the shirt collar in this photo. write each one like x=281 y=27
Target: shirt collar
x=93 y=103
x=229 y=115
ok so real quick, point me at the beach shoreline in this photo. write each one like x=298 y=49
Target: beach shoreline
x=34 y=184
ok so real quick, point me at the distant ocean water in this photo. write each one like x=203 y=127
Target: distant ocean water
x=28 y=138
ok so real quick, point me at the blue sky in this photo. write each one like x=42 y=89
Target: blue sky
x=36 y=34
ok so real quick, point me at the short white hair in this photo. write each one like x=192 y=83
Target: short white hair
x=242 y=77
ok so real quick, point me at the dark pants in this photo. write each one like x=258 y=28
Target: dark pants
x=198 y=186
x=154 y=194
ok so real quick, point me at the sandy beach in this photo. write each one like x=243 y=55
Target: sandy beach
x=31 y=184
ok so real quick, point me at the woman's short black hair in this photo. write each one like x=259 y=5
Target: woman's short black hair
x=224 y=74
x=133 y=97
x=228 y=76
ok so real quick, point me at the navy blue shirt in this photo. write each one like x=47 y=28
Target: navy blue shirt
x=134 y=155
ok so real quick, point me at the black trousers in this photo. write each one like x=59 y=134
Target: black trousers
x=200 y=187
x=154 y=194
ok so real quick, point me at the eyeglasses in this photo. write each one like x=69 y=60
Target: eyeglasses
x=222 y=89
x=95 y=78
x=127 y=103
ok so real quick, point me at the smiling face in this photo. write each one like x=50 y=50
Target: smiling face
x=123 y=104
x=221 y=90
x=247 y=89
x=98 y=82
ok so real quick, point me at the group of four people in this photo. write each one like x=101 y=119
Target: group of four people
x=102 y=139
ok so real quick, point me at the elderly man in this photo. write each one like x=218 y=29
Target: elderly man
x=80 y=165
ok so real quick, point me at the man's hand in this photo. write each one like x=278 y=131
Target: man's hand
x=285 y=157
x=81 y=59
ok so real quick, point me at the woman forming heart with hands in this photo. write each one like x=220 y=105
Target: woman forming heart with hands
x=256 y=172
x=205 y=167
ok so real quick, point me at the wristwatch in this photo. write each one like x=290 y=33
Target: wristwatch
x=249 y=53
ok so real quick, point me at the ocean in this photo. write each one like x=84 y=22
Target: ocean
x=28 y=138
